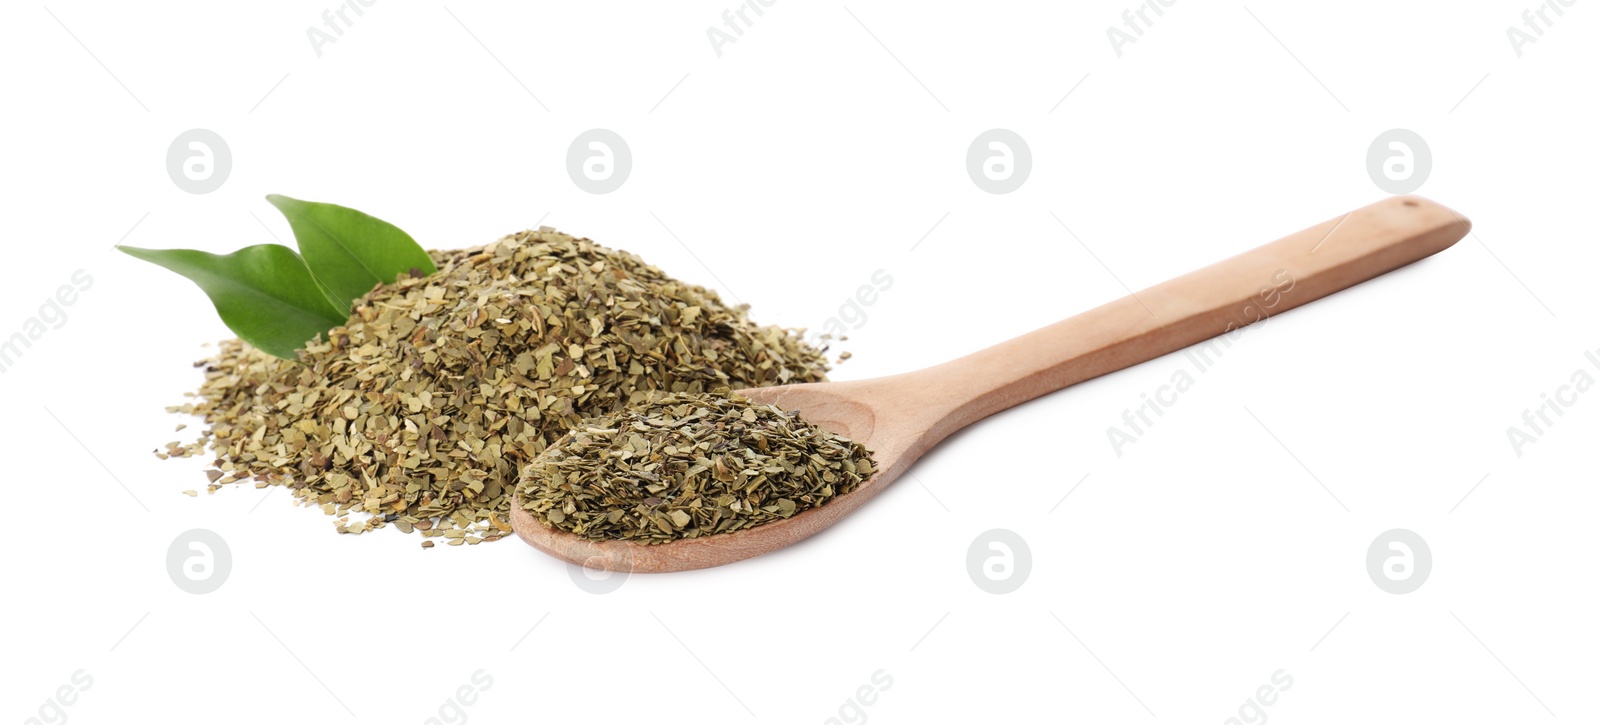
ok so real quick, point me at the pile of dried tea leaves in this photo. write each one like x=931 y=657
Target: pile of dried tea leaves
x=425 y=406
x=686 y=465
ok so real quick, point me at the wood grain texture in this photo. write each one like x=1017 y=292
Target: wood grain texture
x=900 y=417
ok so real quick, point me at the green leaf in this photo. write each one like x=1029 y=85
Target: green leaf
x=264 y=293
x=350 y=252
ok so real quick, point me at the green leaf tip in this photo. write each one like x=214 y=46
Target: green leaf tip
x=350 y=252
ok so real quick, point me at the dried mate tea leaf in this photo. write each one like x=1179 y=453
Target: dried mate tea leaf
x=423 y=407
x=684 y=465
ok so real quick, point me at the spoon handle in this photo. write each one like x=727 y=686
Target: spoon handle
x=1206 y=303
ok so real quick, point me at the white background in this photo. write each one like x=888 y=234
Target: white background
x=821 y=146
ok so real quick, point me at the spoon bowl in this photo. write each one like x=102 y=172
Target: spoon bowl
x=898 y=418
x=845 y=408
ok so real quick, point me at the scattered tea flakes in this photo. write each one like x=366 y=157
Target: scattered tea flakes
x=685 y=465
x=427 y=403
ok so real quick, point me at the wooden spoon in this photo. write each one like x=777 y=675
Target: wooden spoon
x=900 y=417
